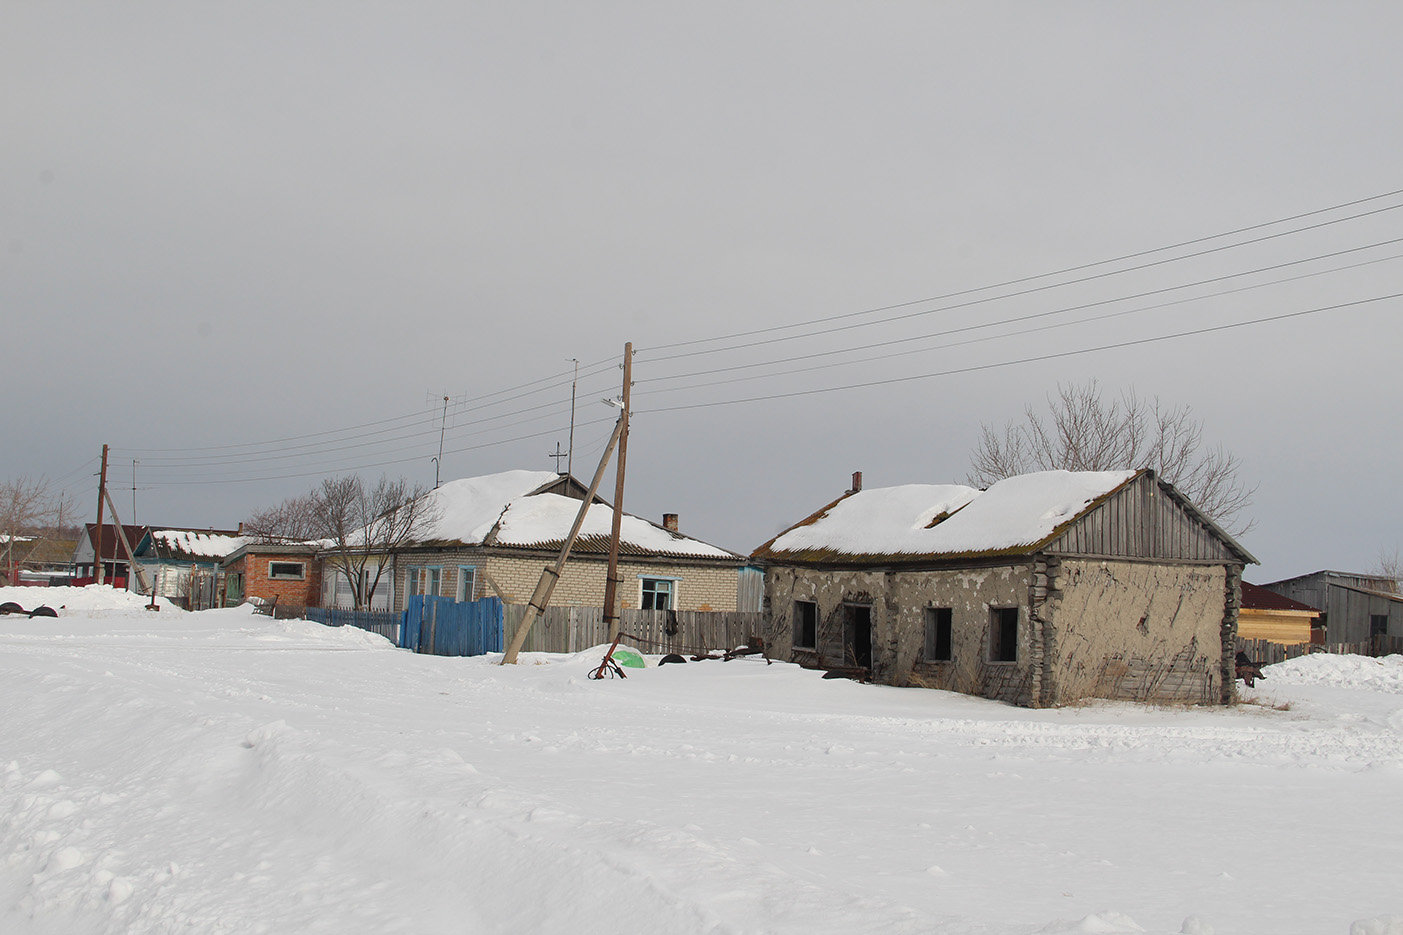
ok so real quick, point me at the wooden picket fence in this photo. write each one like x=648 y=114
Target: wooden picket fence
x=689 y=632
x=1265 y=652
x=445 y=627
x=384 y=622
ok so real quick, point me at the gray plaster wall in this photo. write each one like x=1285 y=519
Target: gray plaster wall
x=1135 y=631
x=898 y=602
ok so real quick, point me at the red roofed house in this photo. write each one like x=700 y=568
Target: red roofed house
x=1266 y=615
x=114 y=555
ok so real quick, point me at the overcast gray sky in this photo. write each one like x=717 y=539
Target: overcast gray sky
x=251 y=244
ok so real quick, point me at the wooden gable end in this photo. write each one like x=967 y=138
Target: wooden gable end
x=1148 y=519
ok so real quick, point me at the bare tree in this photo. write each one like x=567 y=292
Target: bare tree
x=357 y=525
x=23 y=505
x=1082 y=431
x=1390 y=567
x=293 y=520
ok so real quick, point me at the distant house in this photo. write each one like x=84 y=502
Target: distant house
x=1355 y=607
x=1041 y=590
x=289 y=573
x=114 y=555
x=1266 y=615
x=36 y=561
x=171 y=556
x=496 y=533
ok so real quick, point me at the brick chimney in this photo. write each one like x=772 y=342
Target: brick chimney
x=857 y=482
x=670 y=522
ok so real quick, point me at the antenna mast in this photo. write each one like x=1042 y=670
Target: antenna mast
x=570 y=450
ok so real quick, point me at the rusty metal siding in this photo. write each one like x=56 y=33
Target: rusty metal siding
x=1141 y=521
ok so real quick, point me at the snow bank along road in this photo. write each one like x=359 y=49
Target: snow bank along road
x=223 y=773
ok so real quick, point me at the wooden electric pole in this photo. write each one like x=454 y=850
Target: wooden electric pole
x=98 y=574
x=611 y=582
x=540 y=599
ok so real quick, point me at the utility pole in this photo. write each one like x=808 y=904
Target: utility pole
x=557 y=455
x=134 y=464
x=611 y=582
x=98 y=574
x=442 y=426
x=540 y=599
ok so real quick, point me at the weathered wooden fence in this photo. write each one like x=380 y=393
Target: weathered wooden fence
x=445 y=627
x=384 y=622
x=1266 y=652
x=572 y=629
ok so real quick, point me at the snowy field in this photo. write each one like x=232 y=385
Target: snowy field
x=165 y=772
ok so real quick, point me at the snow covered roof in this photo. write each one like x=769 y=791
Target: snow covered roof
x=194 y=543
x=945 y=520
x=514 y=509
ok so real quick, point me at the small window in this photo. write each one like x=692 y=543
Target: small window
x=293 y=570
x=411 y=581
x=433 y=582
x=1003 y=634
x=657 y=593
x=805 y=625
x=467 y=582
x=1378 y=625
x=938 y=630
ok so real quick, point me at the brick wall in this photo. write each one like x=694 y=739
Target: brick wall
x=698 y=587
x=289 y=592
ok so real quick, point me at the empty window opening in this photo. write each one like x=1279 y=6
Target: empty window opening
x=293 y=570
x=857 y=636
x=1003 y=634
x=939 y=626
x=1378 y=625
x=806 y=625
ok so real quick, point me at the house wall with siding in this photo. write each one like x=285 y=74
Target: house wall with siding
x=699 y=586
x=1347 y=609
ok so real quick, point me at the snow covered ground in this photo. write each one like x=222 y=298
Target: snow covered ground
x=166 y=772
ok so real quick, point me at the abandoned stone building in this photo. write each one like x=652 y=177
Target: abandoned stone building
x=1043 y=589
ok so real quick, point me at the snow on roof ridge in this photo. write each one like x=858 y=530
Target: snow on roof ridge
x=935 y=519
x=508 y=501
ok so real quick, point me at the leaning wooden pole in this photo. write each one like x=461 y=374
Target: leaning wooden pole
x=98 y=575
x=132 y=567
x=611 y=580
x=540 y=599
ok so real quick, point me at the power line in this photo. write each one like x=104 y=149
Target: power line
x=1015 y=334
x=1025 y=360
x=1046 y=314
x=322 y=473
x=1006 y=295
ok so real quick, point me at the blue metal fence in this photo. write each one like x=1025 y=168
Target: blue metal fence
x=444 y=627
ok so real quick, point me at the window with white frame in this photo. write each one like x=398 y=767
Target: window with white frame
x=657 y=593
x=294 y=571
x=433 y=581
x=411 y=581
x=467 y=582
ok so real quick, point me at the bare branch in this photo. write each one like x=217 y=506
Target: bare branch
x=1082 y=431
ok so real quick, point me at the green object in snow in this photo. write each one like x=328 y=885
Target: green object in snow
x=628 y=658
